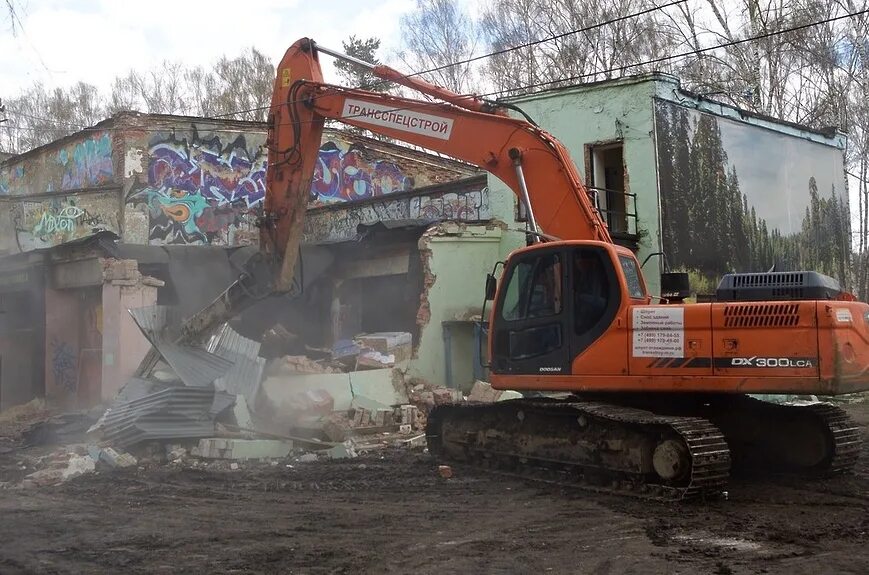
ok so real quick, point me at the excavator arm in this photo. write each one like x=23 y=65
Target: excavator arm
x=464 y=127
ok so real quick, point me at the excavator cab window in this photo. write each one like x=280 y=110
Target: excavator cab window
x=591 y=290
x=534 y=289
x=530 y=315
x=555 y=303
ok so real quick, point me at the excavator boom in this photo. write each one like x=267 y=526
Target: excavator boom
x=458 y=128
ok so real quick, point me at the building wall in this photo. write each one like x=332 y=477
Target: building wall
x=156 y=179
x=464 y=201
x=601 y=113
x=456 y=259
x=199 y=182
x=739 y=196
x=192 y=182
x=70 y=188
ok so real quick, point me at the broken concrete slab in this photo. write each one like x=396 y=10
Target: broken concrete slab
x=337 y=427
x=383 y=386
x=418 y=441
x=241 y=412
x=111 y=457
x=243 y=449
x=344 y=450
x=374 y=360
x=78 y=465
x=483 y=392
x=175 y=452
x=297 y=364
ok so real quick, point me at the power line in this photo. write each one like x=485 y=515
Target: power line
x=614 y=68
x=684 y=54
x=626 y=66
x=568 y=78
x=14 y=16
x=497 y=52
x=536 y=42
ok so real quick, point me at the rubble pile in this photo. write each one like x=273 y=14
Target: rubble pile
x=208 y=407
x=365 y=351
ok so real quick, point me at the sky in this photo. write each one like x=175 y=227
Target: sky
x=61 y=42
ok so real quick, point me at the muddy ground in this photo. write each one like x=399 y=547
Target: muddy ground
x=392 y=513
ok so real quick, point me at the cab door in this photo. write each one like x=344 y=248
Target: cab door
x=529 y=322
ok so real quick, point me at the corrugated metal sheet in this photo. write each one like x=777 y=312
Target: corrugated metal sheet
x=171 y=413
x=195 y=366
x=244 y=377
x=222 y=402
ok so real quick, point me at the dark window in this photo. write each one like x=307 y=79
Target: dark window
x=632 y=276
x=534 y=289
x=535 y=341
x=591 y=289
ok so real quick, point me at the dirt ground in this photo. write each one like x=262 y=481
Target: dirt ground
x=392 y=513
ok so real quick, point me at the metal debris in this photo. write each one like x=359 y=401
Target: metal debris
x=194 y=366
x=174 y=412
x=244 y=377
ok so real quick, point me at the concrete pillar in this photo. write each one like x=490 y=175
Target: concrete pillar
x=62 y=315
x=124 y=346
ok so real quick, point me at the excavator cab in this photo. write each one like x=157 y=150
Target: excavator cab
x=554 y=301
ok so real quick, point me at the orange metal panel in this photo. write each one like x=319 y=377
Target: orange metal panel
x=765 y=339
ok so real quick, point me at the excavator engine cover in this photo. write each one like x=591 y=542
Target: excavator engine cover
x=768 y=286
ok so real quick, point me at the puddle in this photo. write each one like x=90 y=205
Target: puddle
x=733 y=543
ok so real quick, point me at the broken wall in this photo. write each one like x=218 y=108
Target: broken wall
x=457 y=258
x=464 y=200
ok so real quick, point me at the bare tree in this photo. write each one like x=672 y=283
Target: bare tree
x=244 y=86
x=39 y=116
x=587 y=41
x=436 y=35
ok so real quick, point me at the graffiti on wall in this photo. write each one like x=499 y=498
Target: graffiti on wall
x=10 y=179
x=343 y=174
x=55 y=221
x=462 y=206
x=87 y=163
x=83 y=164
x=342 y=224
x=200 y=190
x=64 y=365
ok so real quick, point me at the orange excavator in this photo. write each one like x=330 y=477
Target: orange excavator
x=644 y=398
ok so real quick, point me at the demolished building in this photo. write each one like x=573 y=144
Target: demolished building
x=150 y=209
x=396 y=240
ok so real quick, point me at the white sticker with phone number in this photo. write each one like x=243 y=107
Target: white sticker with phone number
x=658 y=331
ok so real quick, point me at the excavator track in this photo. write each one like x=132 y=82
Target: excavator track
x=592 y=445
x=846 y=436
x=812 y=440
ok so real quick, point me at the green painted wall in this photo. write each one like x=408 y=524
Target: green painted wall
x=459 y=257
x=621 y=110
